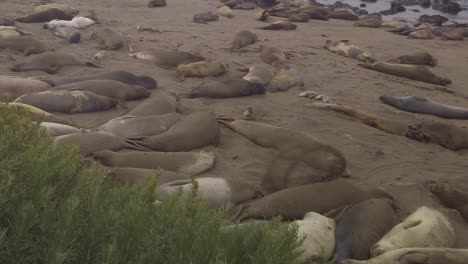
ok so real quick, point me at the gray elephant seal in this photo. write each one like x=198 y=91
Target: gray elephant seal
x=243 y=38
x=418 y=256
x=421 y=105
x=90 y=142
x=227 y=89
x=201 y=69
x=205 y=17
x=6 y=22
x=12 y=87
x=52 y=62
x=279 y=25
x=362 y=225
x=413 y=72
x=45 y=16
x=215 y=192
x=417 y=58
x=157 y=3
x=347 y=49
x=294 y=203
x=131 y=176
x=301 y=17
x=369 y=22
x=120 y=76
x=451 y=197
x=261 y=74
x=55 y=129
x=272 y=55
x=134 y=126
x=70 y=34
x=108 y=39
x=68 y=101
x=344 y=14
x=197 y=130
x=26 y=45
x=158 y=104
x=65 y=8
x=190 y=163
x=167 y=58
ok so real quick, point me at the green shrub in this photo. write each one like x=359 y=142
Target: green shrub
x=53 y=210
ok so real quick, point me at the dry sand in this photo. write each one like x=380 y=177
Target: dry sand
x=375 y=158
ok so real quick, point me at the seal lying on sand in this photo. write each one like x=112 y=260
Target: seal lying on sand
x=289 y=76
x=35 y=114
x=26 y=45
x=279 y=25
x=413 y=72
x=76 y=22
x=45 y=16
x=344 y=48
x=167 y=58
x=272 y=55
x=418 y=256
x=108 y=39
x=417 y=58
x=70 y=34
x=451 y=197
x=63 y=7
x=243 y=38
x=260 y=73
x=369 y=22
x=6 y=22
x=201 y=69
x=158 y=104
x=12 y=87
x=227 y=89
x=52 y=62
x=421 y=105
x=205 y=17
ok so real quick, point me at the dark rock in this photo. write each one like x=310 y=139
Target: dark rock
x=425 y=3
x=409 y=2
x=415 y=10
x=435 y=20
x=369 y=1
x=362 y=5
x=157 y=3
x=446 y=6
x=395 y=7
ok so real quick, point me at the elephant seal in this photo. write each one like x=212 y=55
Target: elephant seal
x=134 y=126
x=131 y=176
x=194 y=131
x=108 y=39
x=63 y=7
x=55 y=129
x=201 y=69
x=279 y=25
x=45 y=16
x=120 y=76
x=260 y=73
x=413 y=72
x=362 y=225
x=227 y=89
x=12 y=87
x=205 y=17
x=319 y=241
x=36 y=115
x=158 y=104
x=68 y=101
x=294 y=203
x=301 y=17
x=426 y=227
x=215 y=192
x=189 y=163
x=452 y=34
x=421 y=105
x=6 y=22
x=157 y=3
x=418 y=256
x=346 y=49
x=344 y=14
x=51 y=62
x=77 y=22
x=167 y=58
x=272 y=55
x=90 y=142
x=70 y=34
x=289 y=76
x=369 y=22
x=417 y=58
x=225 y=11
x=262 y=15
x=243 y=38
x=451 y=197
x=421 y=34
x=26 y=45
x=394 y=24
x=108 y=88
x=7 y=33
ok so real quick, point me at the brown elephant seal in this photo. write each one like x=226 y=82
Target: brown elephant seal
x=7 y=33
x=167 y=58
x=131 y=176
x=417 y=58
x=201 y=69
x=134 y=126
x=452 y=34
x=37 y=115
x=108 y=39
x=108 y=88
x=227 y=89
x=294 y=203
x=26 y=45
x=243 y=38
x=344 y=48
x=301 y=17
x=260 y=73
x=413 y=72
x=63 y=7
x=68 y=101
x=70 y=34
x=421 y=34
x=362 y=225
x=205 y=17
x=6 y=22
x=421 y=105
x=189 y=163
x=418 y=256
x=51 y=62
x=12 y=87
x=158 y=104
x=56 y=129
x=157 y=3
x=45 y=16
x=369 y=22
x=318 y=13
x=120 y=76
x=288 y=76
x=344 y=14
x=215 y=192
x=279 y=25
x=451 y=196
x=262 y=15
x=196 y=130
x=426 y=227
x=272 y=55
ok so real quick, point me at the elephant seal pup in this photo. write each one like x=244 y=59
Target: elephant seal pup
x=190 y=163
x=45 y=16
x=262 y=15
x=225 y=11
x=26 y=45
x=37 y=115
x=426 y=227
x=417 y=58
x=167 y=58
x=7 y=33
x=261 y=74
x=215 y=192
x=346 y=49
x=134 y=126
x=319 y=241
x=301 y=17
x=108 y=39
x=421 y=34
x=451 y=196
x=63 y=7
x=131 y=176
x=205 y=17
x=157 y=3
x=418 y=256
x=279 y=25
x=77 y=22
x=413 y=72
x=12 y=87
x=362 y=225
x=227 y=89
x=70 y=34
x=196 y=130
x=51 y=62
x=55 y=129
x=108 y=88
x=6 y=22
x=344 y=14
x=201 y=69
x=120 y=76
x=289 y=76
x=68 y=101
x=243 y=38
x=158 y=104
x=452 y=34
x=421 y=105
x=369 y=22
x=90 y=142
x=294 y=203
x=272 y=55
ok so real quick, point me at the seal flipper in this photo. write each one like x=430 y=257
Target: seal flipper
x=92 y=64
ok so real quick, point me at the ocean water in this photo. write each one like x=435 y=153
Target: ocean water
x=380 y=5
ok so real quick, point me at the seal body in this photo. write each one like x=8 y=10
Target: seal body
x=55 y=129
x=289 y=76
x=45 y=16
x=418 y=255
x=157 y=3
x=168 y=58
x=344 y=14
x=26 y=45
x=35 y=114
x=158 y=104
x=225 y=11
x=370 y=22
x=261 y=74
x=301 y=17
x=272 y=55
x=71 y=35
x=108 y=39
x=12 y=88
x=52 y=62
x=8 y=32
x=131 y=176
x=346 y=49
x=63 y=7
x=77 y=22
x=280 y=25
x=417 y=58
x=205 y=17
x=452 y=34
x=451 y=197
x=201 y=69
x=227 y=89
x=243 y=38
x=421 y=34
x=6 y=22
